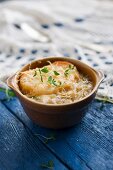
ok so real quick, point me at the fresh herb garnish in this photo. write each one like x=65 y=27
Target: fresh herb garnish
x=35 y=73
x=9 y=93
x=105 y=100
x=56 y=73
x=52 y=81
x=66 y=72
x=45 y=70
x=40 y=75
x=51 y=137
x=71 y=67
x=2 y=89
x=48 y=165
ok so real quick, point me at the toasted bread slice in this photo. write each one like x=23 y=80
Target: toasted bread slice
x=36 y=83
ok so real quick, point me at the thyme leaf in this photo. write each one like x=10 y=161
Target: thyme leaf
x=9 y=93
x=51 y=137
x=49 y=165
x=50 y=79
x=2 y=89
x=66 y=72
x=35 y=73
x=56 y=73
x=40 y=75
x=45 y=70
x=54 y=82
x=71 y=67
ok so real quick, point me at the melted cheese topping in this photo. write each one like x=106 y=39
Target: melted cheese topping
x=56 y=83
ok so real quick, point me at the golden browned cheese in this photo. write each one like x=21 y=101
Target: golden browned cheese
x=35 y=82
x=56 y=83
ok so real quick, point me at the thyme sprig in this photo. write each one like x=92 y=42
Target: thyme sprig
x=9 y=93
x=56 y=73
x=53 y=81
x=45 y=70
x=48 y=165
x=40 y=74
x=50 y=137
x=50 y=79
x=70 y=67
x=66 y=72
x=35 y=73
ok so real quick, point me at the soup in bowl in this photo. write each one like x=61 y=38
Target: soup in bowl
x=56 y=92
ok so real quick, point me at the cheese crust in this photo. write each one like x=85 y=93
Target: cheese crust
x=56 y=83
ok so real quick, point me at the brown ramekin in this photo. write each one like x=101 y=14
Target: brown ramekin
x=60 y=115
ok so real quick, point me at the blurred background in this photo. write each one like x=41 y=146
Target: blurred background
x=82 y=29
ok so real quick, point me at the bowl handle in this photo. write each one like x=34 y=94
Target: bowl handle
x=100 y=76
x=10 y=82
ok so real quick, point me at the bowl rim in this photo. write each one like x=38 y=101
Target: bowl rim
x=56 y=105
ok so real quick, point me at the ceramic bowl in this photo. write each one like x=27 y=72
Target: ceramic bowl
x=60 y=115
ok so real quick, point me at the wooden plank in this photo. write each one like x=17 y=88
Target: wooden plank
x=15 y=106
x=100 y=119
x=85 y=146
x=19 y=149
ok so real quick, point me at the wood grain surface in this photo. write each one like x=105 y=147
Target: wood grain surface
x=86 y=146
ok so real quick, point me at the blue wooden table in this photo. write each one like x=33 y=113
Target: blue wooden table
x=86 y=146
